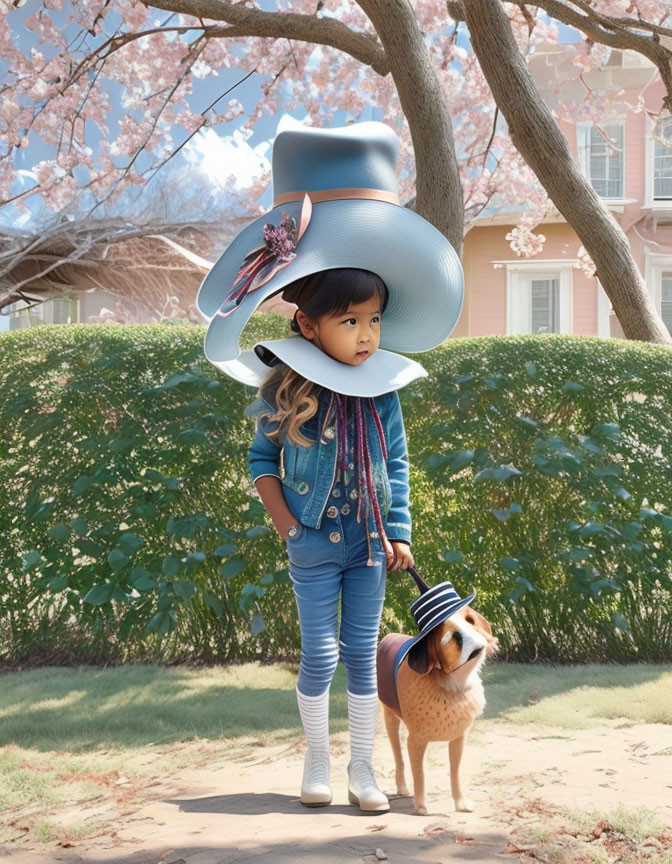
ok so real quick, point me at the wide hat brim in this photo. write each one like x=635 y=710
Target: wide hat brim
x=439 y=618
x=380 y=373
x=421 y=269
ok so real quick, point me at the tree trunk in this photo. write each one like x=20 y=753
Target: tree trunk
x=539 y=140
x=439 y=196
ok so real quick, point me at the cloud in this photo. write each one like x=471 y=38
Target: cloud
x=227 y=160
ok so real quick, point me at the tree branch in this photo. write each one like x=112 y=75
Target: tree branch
x=246 y=21
x=617 y=33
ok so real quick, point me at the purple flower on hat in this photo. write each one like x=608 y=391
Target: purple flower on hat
x=262 y=263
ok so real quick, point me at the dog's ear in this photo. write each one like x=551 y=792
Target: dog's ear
x=418 y=658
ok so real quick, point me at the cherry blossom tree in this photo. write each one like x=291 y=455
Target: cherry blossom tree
x=411 y=61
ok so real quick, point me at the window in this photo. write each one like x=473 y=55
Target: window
x=662 y=160
x=539 y=297
x=545 y=305
x=658 y=278
x=601 y=157
x=666 y=299
x=61 y=310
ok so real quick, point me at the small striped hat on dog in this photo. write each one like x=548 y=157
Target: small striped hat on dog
x=433 y=606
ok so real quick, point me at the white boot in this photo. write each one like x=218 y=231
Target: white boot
x=362 y=788
x=314 y=711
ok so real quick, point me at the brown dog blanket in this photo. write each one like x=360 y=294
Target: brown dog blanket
x=388 y=649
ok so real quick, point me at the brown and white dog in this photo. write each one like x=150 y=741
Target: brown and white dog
x=439 y=695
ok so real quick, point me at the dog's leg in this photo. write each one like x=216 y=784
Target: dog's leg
x=416 y=753
x=393 y=726
x=455 y=750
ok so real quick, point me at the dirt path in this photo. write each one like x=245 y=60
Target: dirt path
x=241 y=806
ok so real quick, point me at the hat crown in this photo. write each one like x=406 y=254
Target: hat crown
x=363 y=155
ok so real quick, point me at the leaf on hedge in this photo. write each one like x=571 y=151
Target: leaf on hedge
x=117 y=559
x=515 y=508
x=607 y=430
x=184 y=589
x=59 y=532
x=620 y=622
x=58 y=584
x=161 y=622
x=436 y=460
x=526 y=583
x=266 y=579
x=452 y=556
x=211 y=601
x=32 y=559
x=257 y=531
x=81 y=484
x=225 y=550
x=502 y=515
x=194 y=559
x=88 y=547
x=171 y=565
x=131 y=540
x=623 y=493
x=528 y=421
x=531 y=369
x=99 y=594
x=665 y=522
x=142 y=582
x=232 y=568
x=193 y=436
x=509 y=563
x=43 y=512
x=257 y=625
x=79 y=524
x=572 y=386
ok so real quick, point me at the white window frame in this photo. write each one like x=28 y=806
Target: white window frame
x=655 y=265
x=649 y=160
x=519 y=308
x=604 y=311
x=583 y=137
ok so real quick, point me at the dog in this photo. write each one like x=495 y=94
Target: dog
x=439 y=694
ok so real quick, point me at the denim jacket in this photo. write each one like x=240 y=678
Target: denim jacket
x=307 y=473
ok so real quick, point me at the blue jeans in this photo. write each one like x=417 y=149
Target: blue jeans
x=325 y=563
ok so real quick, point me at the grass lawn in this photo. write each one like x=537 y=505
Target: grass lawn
x=72 y=734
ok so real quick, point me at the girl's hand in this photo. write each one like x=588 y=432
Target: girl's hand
x=399 y=555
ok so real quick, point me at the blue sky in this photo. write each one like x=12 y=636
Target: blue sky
x=217 y=152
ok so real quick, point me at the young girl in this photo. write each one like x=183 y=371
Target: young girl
x=360 y=532
x=329 y=456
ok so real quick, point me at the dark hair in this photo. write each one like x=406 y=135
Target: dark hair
x=330 y=292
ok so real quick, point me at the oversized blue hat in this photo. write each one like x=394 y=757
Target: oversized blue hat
x=336 y=204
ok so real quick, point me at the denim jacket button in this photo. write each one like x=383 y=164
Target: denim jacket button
x=332 y=512
x=336 y=493
x=330 y=432
x=353 y=494
x=302 y=488
x=335 y=537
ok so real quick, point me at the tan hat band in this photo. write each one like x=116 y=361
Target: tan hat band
x=316 y=196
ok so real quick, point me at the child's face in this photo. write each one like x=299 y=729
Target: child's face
x=350 y=337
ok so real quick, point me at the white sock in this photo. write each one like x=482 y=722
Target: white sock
x=314 y=711
x=362 y=711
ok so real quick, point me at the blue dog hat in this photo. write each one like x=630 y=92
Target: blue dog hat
x=431 y=608
x=336 y=204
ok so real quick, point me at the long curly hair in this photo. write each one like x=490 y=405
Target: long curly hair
x=325 y=293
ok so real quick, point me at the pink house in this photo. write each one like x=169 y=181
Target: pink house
x=550 y=293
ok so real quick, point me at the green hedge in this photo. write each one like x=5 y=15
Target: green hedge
x=540 y=473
